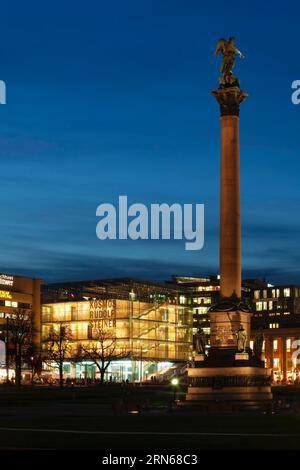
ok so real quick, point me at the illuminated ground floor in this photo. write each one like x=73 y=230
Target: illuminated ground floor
x=118 y=371
x=10 y=375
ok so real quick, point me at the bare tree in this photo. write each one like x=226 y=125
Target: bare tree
x=20 y=335
x=102 y=351
x=57 y=348
x=33 y=357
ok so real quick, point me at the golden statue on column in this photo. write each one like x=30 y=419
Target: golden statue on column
x=229 y=52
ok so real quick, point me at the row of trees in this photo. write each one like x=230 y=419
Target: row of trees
x=101 y=351
x=22 y=351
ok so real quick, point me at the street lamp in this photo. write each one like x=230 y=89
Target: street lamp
x=175 y=383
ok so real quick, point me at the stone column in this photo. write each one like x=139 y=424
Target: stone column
x=230 y=224
x=226 y=318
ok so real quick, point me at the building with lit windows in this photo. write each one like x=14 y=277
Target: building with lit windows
x=150 y=321
x=155 y=322
x=203 y=292
x=18 y=293
x=200 y=294
x=277 y=312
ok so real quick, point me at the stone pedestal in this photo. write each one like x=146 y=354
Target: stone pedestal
x=230 y=384
x=226 y=375
x=225 y=324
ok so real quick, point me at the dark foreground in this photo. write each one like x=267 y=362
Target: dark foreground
x=99 y=420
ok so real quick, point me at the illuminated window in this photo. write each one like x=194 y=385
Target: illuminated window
x=202 y=300
x=287 y=292
x=275 y=293
x=288 y=344
x=275 y=344
x=201 y=310
x=251 y=344
x=265 y=306
x=258 y=306
x=276 y=363
x=132 y=295
x=265 y=294
x=9 y=303
x=257 y=294
x=270 y=305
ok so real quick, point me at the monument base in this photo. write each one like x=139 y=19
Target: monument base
x=229 y=384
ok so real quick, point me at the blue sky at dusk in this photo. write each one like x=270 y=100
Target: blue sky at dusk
x=111 y=98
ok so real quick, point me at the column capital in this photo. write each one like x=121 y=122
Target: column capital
x=229 y=100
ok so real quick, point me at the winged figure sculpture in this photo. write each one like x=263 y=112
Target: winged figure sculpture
x=229 y=52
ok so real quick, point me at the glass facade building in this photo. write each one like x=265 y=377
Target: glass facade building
x=151 y=324
x=154 y=331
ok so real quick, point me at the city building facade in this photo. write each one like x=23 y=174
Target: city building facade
x=154 y=323
x=151 y=324
x=200 y=294
x=277 y=313
x=18 y=295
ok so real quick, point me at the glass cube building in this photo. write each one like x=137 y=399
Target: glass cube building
x=151 y=323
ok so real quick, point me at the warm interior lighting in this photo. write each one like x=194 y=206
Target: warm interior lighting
x=5 y=294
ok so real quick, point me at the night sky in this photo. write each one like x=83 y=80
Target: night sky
x=106 y=98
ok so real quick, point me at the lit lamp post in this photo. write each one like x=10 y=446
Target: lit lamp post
x=175 y=383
